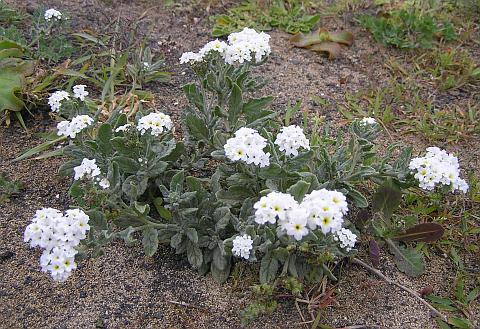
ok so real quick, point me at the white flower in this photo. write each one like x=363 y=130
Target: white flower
x=63 y=128
x=52 y=13
x=273 y=206
x=346 y=237
x=80 y=92
x=123 y=128
x=291 y=139
x=55 y=99
x=242 y=245
x=247 y=146
x=58 y=235
x=368 y=121
x=190 y=57
x=215 y=45
x=71 y=129
x=321 y=209
x=157 y=122
x=297 y=224
x=438 y=167
x=104 y=183
x=146 y=65
x=244 y=45
x=87 y=168
x=325 y=209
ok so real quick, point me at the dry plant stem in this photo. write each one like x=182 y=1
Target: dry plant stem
x=185 y=304
x=390 y=281
x=358 y=326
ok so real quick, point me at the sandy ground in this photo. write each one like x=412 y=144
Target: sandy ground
x=125 y=289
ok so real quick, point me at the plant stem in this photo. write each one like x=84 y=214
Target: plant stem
x=390 y=281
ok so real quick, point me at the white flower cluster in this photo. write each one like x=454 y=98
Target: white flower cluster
x=190 y=57
x=157 y=122
x=89 y=169
x=215 y=45
x=71 y=129
x=438 y=167
x=247 y=146
x=242 y=245
x=291 y=139
x=123 y=128
x=58 y=234
x=321 y=209
x=368 y=121
x=80 y=92
x=52 y=13
x=242 y=47
x=55 y=99
x=346 y=237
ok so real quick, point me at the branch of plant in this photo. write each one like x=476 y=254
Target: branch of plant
x=390 y=281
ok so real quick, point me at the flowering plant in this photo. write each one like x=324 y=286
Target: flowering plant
x=266 y=192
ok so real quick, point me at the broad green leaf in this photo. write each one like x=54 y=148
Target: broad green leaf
x=460 y=323
x=268 y=268
x=194 y=96
x=298 y=190
x=150 y=241
x=234 y=195
x=76 y=190
x=235 y=104
x=196 y=127
x=176 y=240
x=126 y=219
x=256 y=104
x=66 y=169
x=126 y=235
x=387 y=199
x=409 y=261
x=219 y=260
x=162 y=211
x=357 y=198
x=221 y=275
x=176 y=184
x=441 y=324
x=120 y=145
x=194 y=255
x=11 y=84
x=192 y=234
x=126 y=164
x=104 y=137
x=97 y=219
x=134 y=186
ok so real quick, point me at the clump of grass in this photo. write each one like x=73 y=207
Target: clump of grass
x=404 y=109
x=408 y=29
x=450 y=69
x=8 y=188
x=290 y=15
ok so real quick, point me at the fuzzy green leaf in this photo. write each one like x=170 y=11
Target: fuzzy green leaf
x=409 y=261
x=196 y=127
x=387 y=199
x=194 y=255
x=268 y=268
x=235 y=104
x=298 y=190
x=150 y=241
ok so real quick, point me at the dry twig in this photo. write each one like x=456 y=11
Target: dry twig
x=390 y=281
